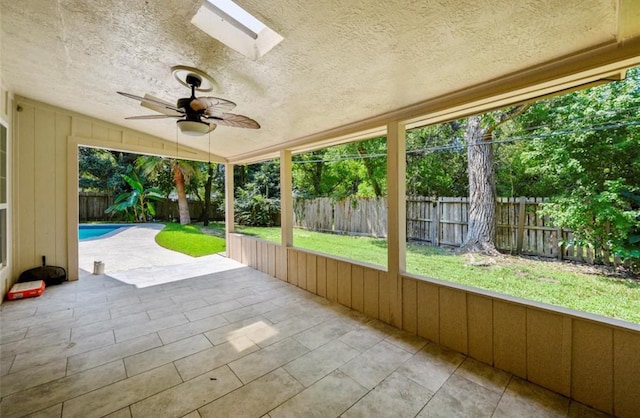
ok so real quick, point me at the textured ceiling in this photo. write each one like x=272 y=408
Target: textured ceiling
x=340 y=61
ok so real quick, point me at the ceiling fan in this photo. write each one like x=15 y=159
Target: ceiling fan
x=196 y=115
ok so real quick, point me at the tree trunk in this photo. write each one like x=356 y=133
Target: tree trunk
x=369 y=167
x=183 y=205
x=207 y=196
x=482 y=194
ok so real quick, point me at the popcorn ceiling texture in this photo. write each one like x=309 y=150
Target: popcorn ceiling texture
x=340 y=61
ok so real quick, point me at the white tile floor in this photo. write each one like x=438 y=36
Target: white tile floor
x=236 y=343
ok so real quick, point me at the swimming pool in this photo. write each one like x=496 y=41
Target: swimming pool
x=86 y=231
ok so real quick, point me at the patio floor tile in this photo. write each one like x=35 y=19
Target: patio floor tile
x=329 y=397
x=186 y=397
x=256 y=398
x=460 y=397
x=236 y=343
x=397 y=396
x=270 y=358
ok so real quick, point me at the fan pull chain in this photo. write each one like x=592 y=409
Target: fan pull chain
x=177 y=151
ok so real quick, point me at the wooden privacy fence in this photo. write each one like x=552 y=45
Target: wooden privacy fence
x=91 y=207
x=363 y=216
x=442 y=221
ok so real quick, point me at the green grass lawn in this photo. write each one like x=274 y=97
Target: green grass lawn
x=188 y=239
x=583 y=288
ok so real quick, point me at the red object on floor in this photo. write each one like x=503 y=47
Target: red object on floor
x=26 y=290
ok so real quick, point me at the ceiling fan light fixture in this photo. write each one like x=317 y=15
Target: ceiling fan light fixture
x=193 y=128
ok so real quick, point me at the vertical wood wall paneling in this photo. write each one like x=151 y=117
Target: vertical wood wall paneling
x=480 y=323
x=371 y=293
x=81 y=128
x=592 y=365
x=281 y=266
x=243 y=251
x=453 y=319
x=344 y=283
x=99 y=132
x=321 y=276
x=62 y=133
x=24 y=168
x=428 y=311
x=260 y=255
x=271 y=259
x=567 y=344
x=292 y=266
x=253 y=251
x=115 y=135
x=256 y=256
x=626 y=372
x=357 y=288
x=384 y=310
x=237 y=247
x=410 y=305
x=45 y=184
x=302 y=270
x=510 y=338
x=311 y=273
x=545 y=351
x=265 y=256
x=332 y=279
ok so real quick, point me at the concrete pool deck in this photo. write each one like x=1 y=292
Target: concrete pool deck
x=132 y=255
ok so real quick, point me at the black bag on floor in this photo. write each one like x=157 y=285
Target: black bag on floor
x=50 y=274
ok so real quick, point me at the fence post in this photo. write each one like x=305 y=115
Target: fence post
x=521 y=213
x=436 y=222
x=560 y=244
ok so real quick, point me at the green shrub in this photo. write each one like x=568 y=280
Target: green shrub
x=253 y=209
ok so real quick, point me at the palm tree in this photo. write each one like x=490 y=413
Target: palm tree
x=182 y=171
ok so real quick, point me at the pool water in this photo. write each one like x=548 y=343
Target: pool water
x=92 y=231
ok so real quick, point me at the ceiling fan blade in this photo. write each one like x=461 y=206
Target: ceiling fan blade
x=236 y=121
x=155 y=116
x=152 y=101
x=213 y=106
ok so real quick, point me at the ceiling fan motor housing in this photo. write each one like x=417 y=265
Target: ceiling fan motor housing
x=185 y=103
x=193 y=80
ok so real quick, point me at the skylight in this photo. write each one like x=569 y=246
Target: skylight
x=235 y=27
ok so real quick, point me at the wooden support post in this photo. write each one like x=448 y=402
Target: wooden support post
x=286 y=209
x=521 y=215
x=396 y=218
x=229 y=223
x=229 y=216
x=72 y=211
